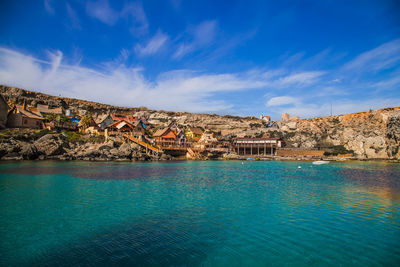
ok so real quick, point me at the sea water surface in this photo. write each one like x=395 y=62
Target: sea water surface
x=208 y=213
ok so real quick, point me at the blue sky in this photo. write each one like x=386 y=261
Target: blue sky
x=224 y=57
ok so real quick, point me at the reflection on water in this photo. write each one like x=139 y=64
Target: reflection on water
x=383 y=180
x=199 y=213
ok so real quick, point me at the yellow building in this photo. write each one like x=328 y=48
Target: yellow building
x=193 y=133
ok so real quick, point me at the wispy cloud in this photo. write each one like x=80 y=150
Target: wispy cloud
x=307 y=109
x=301 y=79
x=281 y=101
x=75 y=22
x=368 y=81
x=133 y=12
x=102 y=11
x=199 y=36
x=153 y=45
x=49 y=7
x=384 y=56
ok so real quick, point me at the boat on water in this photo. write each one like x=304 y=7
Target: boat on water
x=320 y=162
x=250 y=159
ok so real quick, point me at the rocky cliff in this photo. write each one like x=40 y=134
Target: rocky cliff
x=371 y=134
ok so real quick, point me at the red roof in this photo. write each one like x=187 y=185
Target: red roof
x=120 y=124
x=120 y=117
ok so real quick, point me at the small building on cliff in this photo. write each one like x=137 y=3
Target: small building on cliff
x=21 y=117
x=3 y=112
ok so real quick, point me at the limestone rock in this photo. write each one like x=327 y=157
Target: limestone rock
x=125 y=150
x=29 y=151
x=51 y=145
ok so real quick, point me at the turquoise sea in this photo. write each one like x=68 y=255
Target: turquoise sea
x=207 y=213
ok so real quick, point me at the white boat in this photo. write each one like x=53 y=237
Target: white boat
x=320 y=162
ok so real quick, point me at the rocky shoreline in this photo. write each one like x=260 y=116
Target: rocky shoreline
x=31 y=145
x=41 y=145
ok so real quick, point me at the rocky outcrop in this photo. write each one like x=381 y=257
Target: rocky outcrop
x=372 y=134
x=28 y=146
x=51 y=145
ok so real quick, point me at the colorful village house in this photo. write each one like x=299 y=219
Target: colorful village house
x=119 y=128
x=170 y=136
x=3 y=112
x=87 y=125
x=75 y=120
x=144 y=122
x=21 y=117
x=207 y=140
x=104 y=120
x=53 y=118
x=194 y=133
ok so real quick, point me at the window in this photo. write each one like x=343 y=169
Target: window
x=25 y=121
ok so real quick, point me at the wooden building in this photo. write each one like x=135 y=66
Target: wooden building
x=194 y=133
x=119 y=128
x=21 y=117
x=256 y=146
x=104 y=120
x=171 y=136
x=207 y=140
x=3 y=112
x=87 y=125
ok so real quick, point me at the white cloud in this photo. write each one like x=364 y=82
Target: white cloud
x=312 y=110
x=121 y=85
x=380 y=58
x=102 y=11
x=132 y=11
x=299 y=92
x=281 y=100
x=153 y=45
x=301 y=79
x=200 y=36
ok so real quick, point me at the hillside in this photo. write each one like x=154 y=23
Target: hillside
x=370 y=134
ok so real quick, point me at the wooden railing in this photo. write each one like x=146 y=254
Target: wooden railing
x=143 y=144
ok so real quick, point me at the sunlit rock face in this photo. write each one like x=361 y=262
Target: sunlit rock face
x=372 y=134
